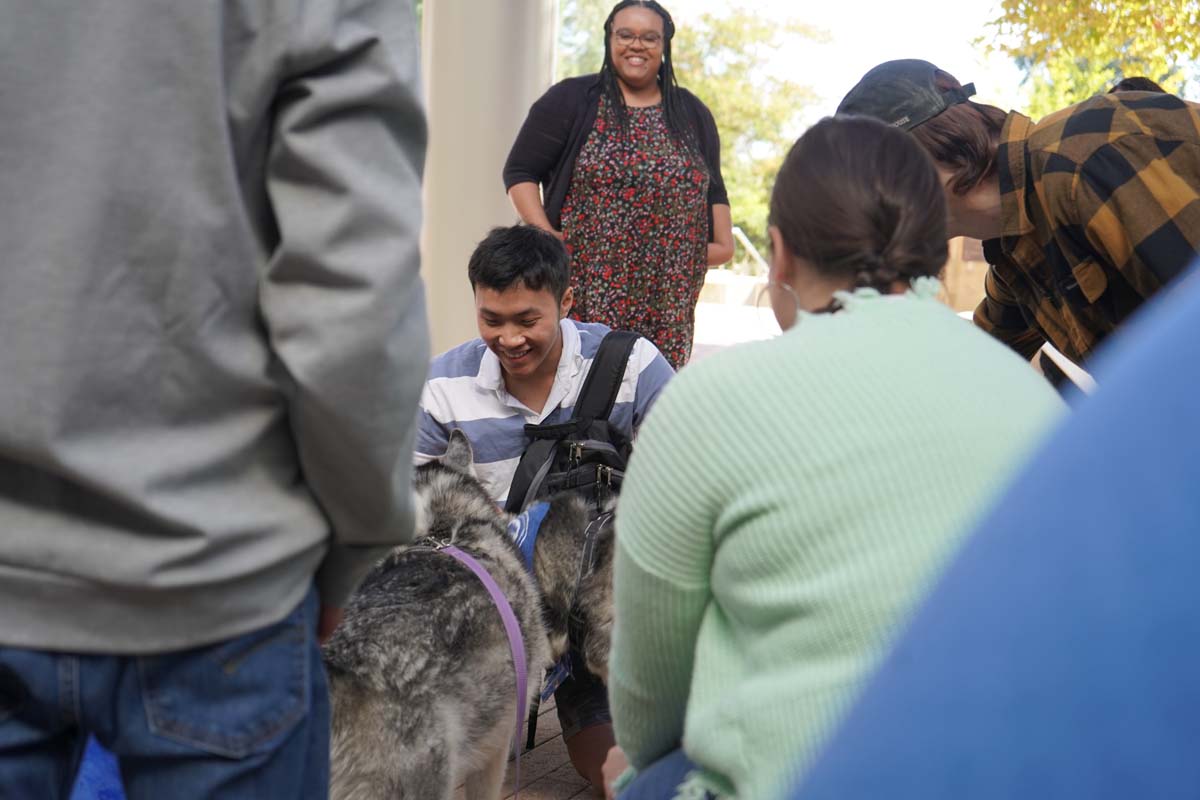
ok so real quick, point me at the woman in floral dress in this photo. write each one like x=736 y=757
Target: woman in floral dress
x=625 y=166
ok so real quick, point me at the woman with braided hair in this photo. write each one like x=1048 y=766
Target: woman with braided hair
x=625 y=166
x=790 y=500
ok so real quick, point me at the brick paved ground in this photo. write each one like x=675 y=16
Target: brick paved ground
x=546 y=772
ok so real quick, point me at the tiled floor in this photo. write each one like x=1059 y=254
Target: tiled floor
x=546 y=773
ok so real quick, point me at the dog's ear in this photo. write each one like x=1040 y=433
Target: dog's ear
x=458 y=452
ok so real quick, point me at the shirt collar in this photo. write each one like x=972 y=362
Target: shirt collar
x=570 y=362
x=1012 y=166
x=490 y=378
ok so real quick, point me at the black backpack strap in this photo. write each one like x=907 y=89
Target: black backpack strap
x=532 y=466
x=599 y=392
x=596 y=400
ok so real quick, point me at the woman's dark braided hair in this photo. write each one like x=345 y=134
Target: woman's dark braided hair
x=672 y=103
x=861 y=199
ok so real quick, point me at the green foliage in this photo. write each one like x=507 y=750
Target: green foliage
x=722 y=59
x=1074 y=49
x=581 y=36
x=759 y=115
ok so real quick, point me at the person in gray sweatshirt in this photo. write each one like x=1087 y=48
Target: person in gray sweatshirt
x=212 y=344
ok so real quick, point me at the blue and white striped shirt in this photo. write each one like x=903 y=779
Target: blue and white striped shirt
x=466 y=391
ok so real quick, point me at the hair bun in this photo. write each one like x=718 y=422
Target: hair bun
x=873 y=261
x=876 y=272
x=860 y=200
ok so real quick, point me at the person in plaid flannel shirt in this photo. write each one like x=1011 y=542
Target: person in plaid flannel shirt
x=1084 y=214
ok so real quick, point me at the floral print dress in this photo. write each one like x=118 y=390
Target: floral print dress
x=636 y=224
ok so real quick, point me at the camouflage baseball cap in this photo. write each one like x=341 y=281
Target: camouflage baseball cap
x=902 y=93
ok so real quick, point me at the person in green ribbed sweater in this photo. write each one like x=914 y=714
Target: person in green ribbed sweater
x=790 y=500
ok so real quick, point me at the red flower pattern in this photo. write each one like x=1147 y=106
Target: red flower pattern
x=636 y=224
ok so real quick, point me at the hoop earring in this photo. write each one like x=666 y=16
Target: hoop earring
x=765 y=291
x=787 y=288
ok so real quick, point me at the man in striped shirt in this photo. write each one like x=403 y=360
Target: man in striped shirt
x=529 y=362
x=1084 y=214
x=528 y=366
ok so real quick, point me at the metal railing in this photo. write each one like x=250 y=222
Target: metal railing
x=760 y=264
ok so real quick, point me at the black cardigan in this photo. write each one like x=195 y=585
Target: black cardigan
x=557 y=127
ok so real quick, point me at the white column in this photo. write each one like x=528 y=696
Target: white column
x=485 y=62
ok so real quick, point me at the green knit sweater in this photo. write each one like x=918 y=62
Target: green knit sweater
x=788 y=503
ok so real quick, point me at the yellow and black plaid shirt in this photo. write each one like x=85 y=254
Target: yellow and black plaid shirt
x=1100 y=206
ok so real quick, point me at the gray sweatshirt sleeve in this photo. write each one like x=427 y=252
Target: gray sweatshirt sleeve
x=342 y=297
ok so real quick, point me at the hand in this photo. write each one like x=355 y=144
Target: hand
x=615 y=765
x=330 y=619
x=526 y=198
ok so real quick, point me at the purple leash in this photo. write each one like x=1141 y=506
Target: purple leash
x=515 y=643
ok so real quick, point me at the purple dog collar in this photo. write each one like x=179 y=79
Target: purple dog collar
x=515 y=643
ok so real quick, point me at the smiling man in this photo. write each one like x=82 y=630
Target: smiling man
x=528 y=366
x=529 y=362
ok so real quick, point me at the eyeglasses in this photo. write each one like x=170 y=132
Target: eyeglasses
x=627 y=38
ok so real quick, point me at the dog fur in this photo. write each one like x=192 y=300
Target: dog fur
x=420 y=670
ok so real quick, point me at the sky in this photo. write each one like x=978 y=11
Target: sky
x=864 y=33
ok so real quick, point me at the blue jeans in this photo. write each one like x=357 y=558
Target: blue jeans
x=659 y=780
x=244 y=718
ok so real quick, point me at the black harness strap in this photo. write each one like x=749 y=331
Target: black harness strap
x=596 y=400
x=536 y=457
x=587 y=564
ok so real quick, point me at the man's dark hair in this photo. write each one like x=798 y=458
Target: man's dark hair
x=965 y=137
x=673 y=111
x=520 y=254
x=1137 y=84
x=859 y=199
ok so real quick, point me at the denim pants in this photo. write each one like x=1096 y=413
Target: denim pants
x=659 y=780
x=244 y=718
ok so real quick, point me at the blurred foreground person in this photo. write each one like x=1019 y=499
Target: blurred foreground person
x=214 y=341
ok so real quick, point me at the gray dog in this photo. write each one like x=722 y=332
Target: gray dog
x=420 y=670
